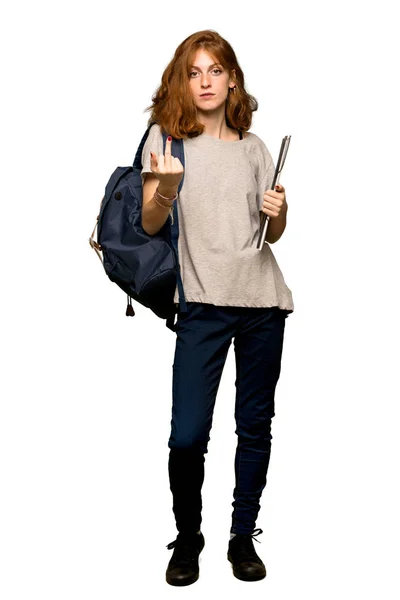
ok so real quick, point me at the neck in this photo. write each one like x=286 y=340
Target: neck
x=215 y=124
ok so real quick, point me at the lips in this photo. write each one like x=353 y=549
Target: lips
x=205 y=95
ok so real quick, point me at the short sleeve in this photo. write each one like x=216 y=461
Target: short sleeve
x=154 y=143
x=266 y=171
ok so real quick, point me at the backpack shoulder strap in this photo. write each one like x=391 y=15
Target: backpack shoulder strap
x=137 y=163
x=177 y=149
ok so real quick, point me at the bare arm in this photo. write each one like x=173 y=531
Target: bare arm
x=154 y=216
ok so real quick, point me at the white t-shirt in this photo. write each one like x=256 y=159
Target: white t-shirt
x=219 y=222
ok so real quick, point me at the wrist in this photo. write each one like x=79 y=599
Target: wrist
x=164 y=202
x=168 y=192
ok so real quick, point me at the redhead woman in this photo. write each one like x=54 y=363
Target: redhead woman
x=234 y=291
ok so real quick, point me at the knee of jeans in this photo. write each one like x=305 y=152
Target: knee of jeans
x=188 y=441
x=256 y=435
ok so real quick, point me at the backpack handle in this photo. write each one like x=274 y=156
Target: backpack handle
x=95 y=245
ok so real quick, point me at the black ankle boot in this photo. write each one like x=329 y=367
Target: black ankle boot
x=183 y=568
x=246 y=563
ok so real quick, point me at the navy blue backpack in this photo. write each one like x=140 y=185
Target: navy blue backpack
x=145 y=267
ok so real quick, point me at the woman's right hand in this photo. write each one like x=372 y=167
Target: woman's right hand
x=168 y=169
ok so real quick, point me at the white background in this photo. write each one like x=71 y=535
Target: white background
x=86 y=510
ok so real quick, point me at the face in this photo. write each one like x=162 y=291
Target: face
x=207 y=77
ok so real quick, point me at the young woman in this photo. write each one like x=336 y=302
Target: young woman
x=232 y=289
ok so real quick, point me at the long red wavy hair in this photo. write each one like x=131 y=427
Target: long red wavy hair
x=173 y=106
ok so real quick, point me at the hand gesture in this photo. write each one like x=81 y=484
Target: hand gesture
x=168 y=169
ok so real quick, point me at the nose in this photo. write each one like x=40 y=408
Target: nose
x=204 y=81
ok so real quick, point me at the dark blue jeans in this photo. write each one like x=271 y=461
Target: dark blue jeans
x=204 y=335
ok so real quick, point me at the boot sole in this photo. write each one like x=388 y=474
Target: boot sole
x=182 y=582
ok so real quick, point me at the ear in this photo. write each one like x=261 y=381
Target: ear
x=233 y=75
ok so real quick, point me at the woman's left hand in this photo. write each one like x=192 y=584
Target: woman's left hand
x=275 y=203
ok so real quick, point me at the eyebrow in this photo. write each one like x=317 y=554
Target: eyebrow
x=213 y=65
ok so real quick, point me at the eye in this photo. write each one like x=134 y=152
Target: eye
x=195 y=72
